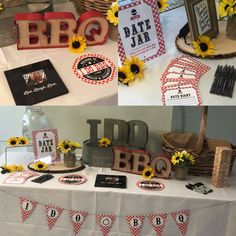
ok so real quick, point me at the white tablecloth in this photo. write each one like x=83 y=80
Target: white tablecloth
x=80 y=93
x=148 y=91
x=204 y=220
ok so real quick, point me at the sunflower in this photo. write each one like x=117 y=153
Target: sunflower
x=135 y=66
x=39 y=165
x=104 y=142
x=148 y=173
x=226 y=8
x=112 y=13
x=7 y=169
x=125 y=76
x=203 y=46
x=13 y=142
x=23 y=141
x=64 y=146
x=177 y=158
x=162 y=5
x=77 y=44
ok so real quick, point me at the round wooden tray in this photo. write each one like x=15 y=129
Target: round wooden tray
x=58 y=168
x=224 y=47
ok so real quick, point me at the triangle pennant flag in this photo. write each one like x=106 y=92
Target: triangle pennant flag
x=27 y=207
x=181 y=218
x=158 y=222
x=52 y=213
x=77 y=219
x=135 y=224
x=106 y=222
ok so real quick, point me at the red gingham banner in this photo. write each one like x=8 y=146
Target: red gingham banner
x=158 y=222
x=181 y=218
x=135 y=224
x=77 y=219
x=27 y=207
x=53 y=213
x=106 y=222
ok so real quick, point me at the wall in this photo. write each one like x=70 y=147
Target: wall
x=71 y=121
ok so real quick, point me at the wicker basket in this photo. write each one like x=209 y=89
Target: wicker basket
x=202 y=148
x=88 y=5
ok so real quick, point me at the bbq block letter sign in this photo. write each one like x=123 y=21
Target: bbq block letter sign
x=53 y=29
x=45 y=144
x=140 y=32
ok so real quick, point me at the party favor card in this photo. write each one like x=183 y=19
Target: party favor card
x=140 y=31
x=180 y=95
x=45 y=144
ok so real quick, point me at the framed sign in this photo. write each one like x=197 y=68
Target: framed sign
x=202 y=18
x=45 y=144
x=140 y=31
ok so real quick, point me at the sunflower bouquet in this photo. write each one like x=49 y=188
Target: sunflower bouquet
x=182 y=159
x=132 y=69
x=67 y=146
x=227 y=8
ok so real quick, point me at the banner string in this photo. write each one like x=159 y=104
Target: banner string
x=121 y=216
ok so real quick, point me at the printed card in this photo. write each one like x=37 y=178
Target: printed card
x=140 y=32
x=181 y=95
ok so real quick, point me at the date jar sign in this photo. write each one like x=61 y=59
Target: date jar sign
x=94 y=69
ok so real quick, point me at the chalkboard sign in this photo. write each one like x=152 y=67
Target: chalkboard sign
x=202 y=18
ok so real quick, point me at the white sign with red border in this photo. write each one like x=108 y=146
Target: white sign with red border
x=45 y=144
x=140 y=31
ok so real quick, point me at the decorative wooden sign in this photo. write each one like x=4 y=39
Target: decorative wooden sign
x=53 y=29
x=162 y=166
x=140 y=32
x=202 y=18
x=135 y=161
x=125 y=133
x=45 y=144
x=221 y=166
x=131 y=161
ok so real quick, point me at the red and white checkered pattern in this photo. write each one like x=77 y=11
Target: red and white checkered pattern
x=108 y=218
x=158 y=227
x=135 y=229
x=34 y=142
x=161 y=50
x=52 y=220
x=80 y=75
x=26 y=213
x=183 y=226
x=76 y=225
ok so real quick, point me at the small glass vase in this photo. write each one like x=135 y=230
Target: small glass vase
x=181 y=173
x=231 y=28
x=70 y=159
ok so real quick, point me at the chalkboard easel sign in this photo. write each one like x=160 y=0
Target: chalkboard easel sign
x=202 y=18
